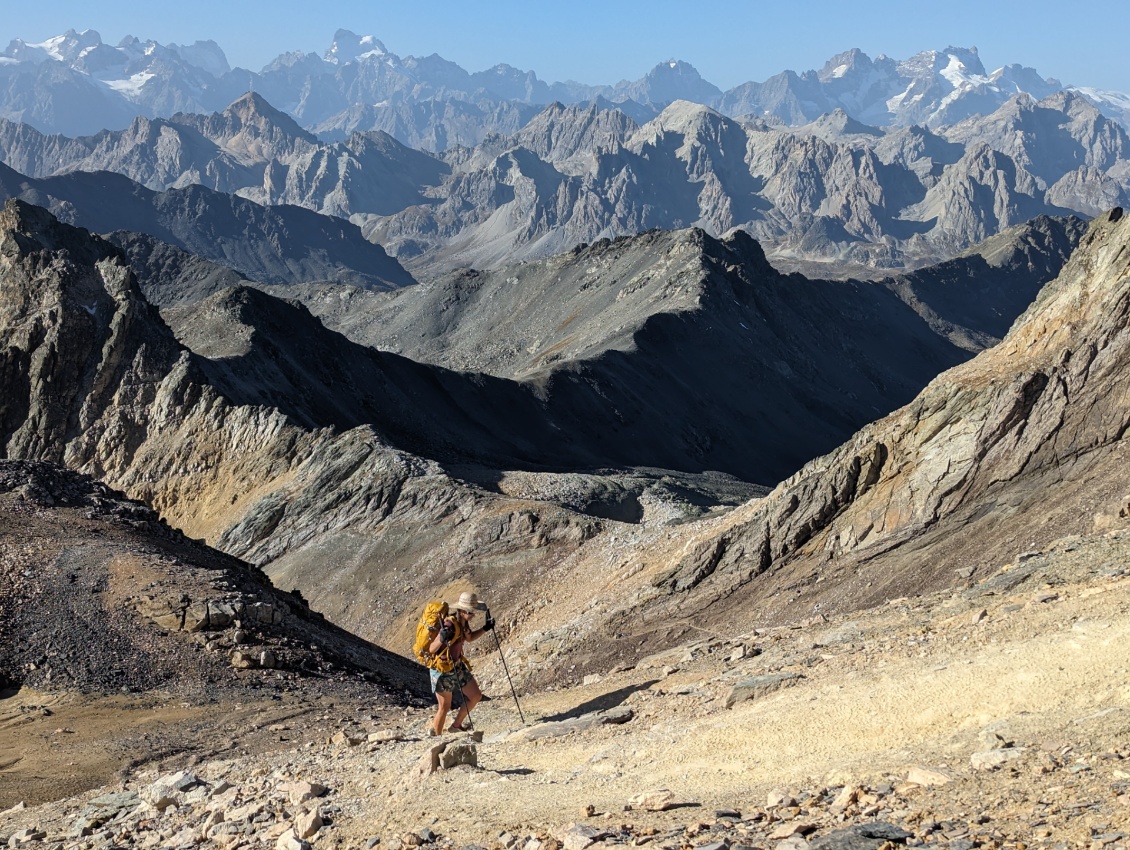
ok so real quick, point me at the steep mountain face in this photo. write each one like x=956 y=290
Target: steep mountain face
x=169 y=275
x=1024 y=444
x=269 y=244
x=973 y=299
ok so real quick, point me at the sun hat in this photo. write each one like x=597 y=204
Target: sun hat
x=470 y=603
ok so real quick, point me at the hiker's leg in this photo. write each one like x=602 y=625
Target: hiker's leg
x=443 y=700
x=473 y=695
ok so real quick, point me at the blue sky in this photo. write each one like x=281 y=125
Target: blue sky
x=603 y=42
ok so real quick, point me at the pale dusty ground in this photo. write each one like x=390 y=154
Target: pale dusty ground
x=916 y=682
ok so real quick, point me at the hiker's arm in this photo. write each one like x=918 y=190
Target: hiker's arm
x=478 y=633
x=443 y=638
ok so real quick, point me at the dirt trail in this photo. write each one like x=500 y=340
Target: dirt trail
x=1037 y=656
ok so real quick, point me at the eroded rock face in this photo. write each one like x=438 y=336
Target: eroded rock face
x=1000 y=455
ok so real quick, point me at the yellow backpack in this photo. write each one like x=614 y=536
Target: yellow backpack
x=426 y=631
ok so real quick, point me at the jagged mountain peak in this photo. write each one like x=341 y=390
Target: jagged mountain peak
x=838 y=123
x=349 y=47
x=27 y=229
x=206 y=55
x=61 y=48
x=253 y=108
x=843 y=64
x=949 y=62
x=670 y=81
x=686 y=115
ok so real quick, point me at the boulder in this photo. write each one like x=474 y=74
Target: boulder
x=307 y=824
x=759 y=686
x=863 y=836
x=929 y=776
x=242 y=659
x=301 y=791
x=289 y=841
x=462 y=753
x=653 y=801
x=993 y=759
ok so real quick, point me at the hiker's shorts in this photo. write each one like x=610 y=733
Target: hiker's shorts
x=453 y=681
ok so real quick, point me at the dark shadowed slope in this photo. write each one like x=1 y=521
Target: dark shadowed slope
x=269 y=244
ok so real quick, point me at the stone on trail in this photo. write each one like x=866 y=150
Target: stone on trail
x=844 y=799
x=301 y=791
x=795 y=842
x=759 y=686
x=790 y=828
x=26 y=836
x=713 y=845
x=244 y=660
x=19 y=807
x=463 y=753
x=429 y=761
x=289 y=841
x=992 y=759
x=385 y=736
x=103 y=809
x=555 y=729
x=169 y=790
x=862 y=836
x=929 y=776
x=347 y=739
x=779 y=798
x=307 y=824
x=653 y=801
x=579 y=836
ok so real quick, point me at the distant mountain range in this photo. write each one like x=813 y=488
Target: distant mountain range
x=832 y=193
x=76 y=85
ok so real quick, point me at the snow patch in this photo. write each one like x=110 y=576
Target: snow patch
x=131 y=87
x=1101 y=96
x=959 y=77
x=51 y=47
x=839 y=71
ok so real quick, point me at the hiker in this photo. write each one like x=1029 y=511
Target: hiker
x=454 y=631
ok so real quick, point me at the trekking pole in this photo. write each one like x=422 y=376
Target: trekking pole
x=498 y=643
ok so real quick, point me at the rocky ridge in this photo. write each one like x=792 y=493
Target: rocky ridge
x=269 y=244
